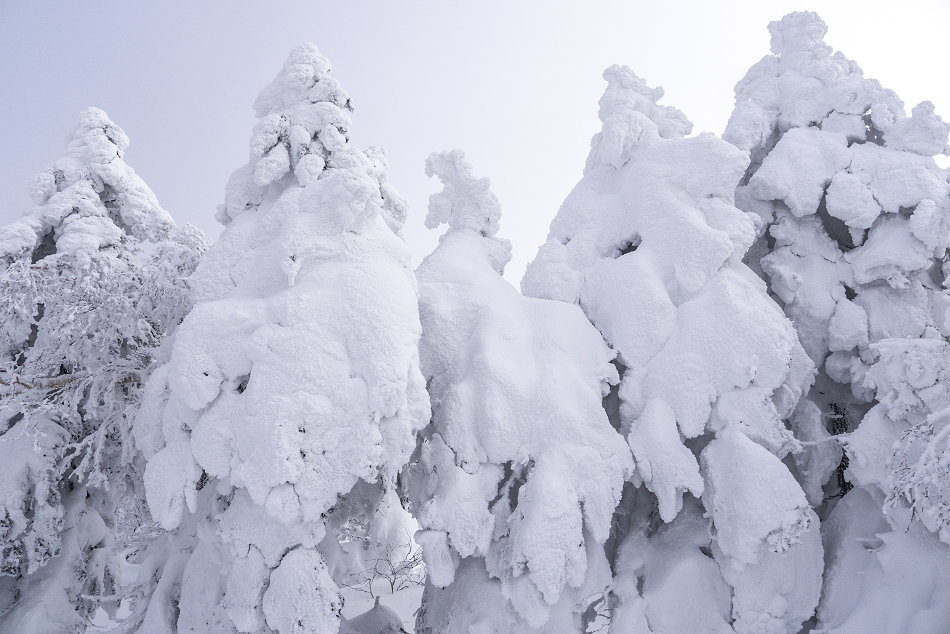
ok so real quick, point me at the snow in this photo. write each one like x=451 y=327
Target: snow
x=767 y=539
x=681 y=588
x=898 y=179
x=699 y=304
x=521 y=467
x=93 y=277
x=630 y=113
x=258 y=337
x=667 y=467
x=465 y=202
x=924 y=132
x=380 y=619
x=857 y=209
x=889 y=254
x=170 y=483
x=89 y=198
x=47 y=600
x=848 y=327
x=881 y=579
x=720 y=403
x=310 y=265
x=649 y=244
x=297 y=599
x=851 y=200
x=30 y=537
x=751 y=514
x=900 y=445
x=797 y=170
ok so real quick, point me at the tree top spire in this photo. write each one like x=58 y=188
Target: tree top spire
x=631 y=117
x=466 y=202
x=799 y=32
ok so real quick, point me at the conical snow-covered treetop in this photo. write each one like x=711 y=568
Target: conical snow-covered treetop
x=92 y=279
x=89 y=198
x=804 y=83
x=303 y=120
x=293 y=392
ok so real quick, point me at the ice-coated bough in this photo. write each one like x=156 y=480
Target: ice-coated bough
x=853 y=236
x=649 y=244
x=520 y=470
x=293 y=394
x=91 y=280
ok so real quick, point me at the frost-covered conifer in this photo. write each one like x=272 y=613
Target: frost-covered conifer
x=92 y=279
x=518 y=474
x=293 y=393
x=855 y=225
x=650 y=245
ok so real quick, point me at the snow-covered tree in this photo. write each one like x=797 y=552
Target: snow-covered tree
x=518 y=474
x=650 y=245
x=292 y=394
x=92 y=279
x=853 y=237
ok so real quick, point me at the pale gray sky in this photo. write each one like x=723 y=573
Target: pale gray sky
x=514 y=83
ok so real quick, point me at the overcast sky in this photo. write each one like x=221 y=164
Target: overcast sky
x=513 y=83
